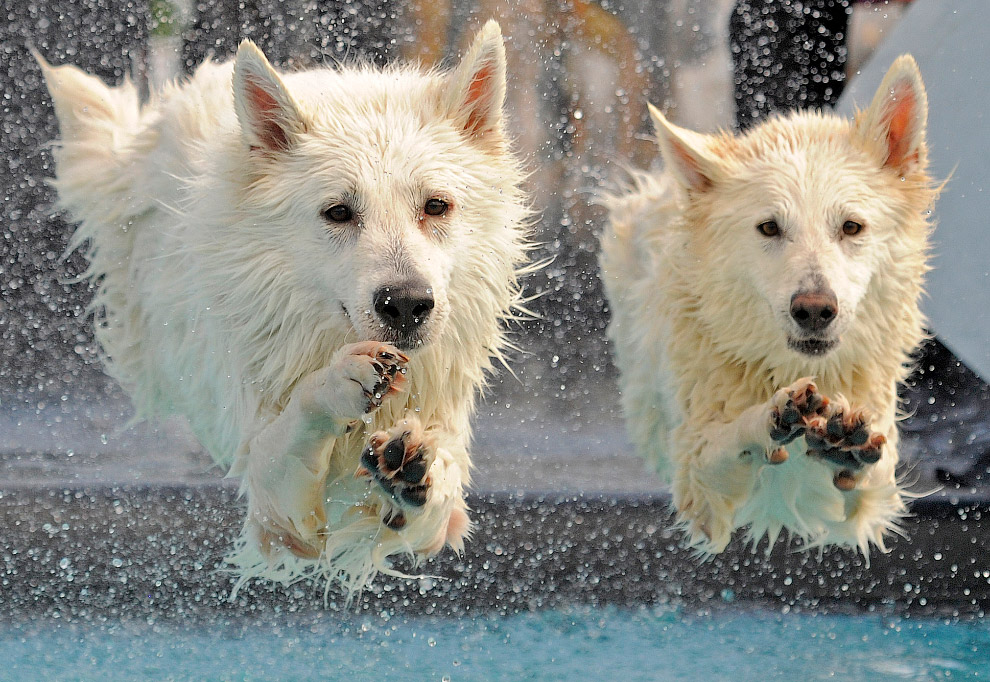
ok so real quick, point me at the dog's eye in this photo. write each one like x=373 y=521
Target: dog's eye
x=435 y=207
x=769 y=228
x=338 y=213
x=851 y=228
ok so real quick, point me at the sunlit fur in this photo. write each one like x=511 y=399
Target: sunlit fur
x=700 y=302
x=220 y=286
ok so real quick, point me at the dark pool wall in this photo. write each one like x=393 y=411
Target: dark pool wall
x=143 y=552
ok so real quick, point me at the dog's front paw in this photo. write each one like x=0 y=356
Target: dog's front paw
x=361 y=376
x=790 y=410
x=842 y=437
x=399 y=461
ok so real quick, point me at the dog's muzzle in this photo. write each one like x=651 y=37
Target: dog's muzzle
x=814 y=311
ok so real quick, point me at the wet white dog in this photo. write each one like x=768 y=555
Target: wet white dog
x=764 y=291
x=314 y=269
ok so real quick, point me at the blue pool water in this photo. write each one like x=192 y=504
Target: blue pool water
x=576 y=644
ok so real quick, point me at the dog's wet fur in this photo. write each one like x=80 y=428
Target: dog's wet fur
x=309 y=266
x=785 y=261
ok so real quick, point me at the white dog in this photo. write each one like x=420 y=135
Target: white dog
x=795 y=250
x=314 y=269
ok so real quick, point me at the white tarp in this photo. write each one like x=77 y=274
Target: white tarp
x=951 y=42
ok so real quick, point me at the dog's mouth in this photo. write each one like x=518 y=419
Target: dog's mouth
x=812 y=346
x=406 y=341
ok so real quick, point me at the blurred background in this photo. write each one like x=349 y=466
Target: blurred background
x=580 y=74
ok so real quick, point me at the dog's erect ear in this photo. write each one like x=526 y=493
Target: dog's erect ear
x=477 y=86
x=685 y=153
x=895 y=122
x=268 y=115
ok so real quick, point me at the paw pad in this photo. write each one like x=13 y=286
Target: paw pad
x=844 y=438
x=834 y=432
x=398 y=463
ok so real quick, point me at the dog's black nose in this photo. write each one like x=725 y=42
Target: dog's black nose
x=405 y=306
x=814 y=310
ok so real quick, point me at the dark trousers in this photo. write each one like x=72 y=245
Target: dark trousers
x=787 y=55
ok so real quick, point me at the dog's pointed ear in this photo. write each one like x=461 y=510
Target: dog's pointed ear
x=685 y=153
x=269 y=117
x=476 y=88
x=894 y=124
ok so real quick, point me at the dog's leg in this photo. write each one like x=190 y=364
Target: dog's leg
x=859 y=450
x=423 y=481
x=286 y=463
x=721 y=471
x=718 y=470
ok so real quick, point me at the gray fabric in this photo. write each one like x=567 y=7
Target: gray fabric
x=949 y=41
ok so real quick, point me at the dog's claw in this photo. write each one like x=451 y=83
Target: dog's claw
x=834 y=428
x=393 y=358
x=873 y=448
x=390 y=370
x=844 y=480
x=778 y=456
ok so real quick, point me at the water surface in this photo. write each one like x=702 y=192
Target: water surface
x=573 y=644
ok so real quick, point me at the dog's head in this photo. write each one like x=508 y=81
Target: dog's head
x=793 y=224
x=375 y=188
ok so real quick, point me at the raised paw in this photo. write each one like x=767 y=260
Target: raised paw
x=790 y=410
x=388 y=365
x=360 y=377
x=842 y=436
x=399 y=461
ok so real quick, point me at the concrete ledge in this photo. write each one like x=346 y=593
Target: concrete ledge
x=152 y=552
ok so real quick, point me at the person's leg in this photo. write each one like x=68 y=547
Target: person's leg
x=787 y=55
